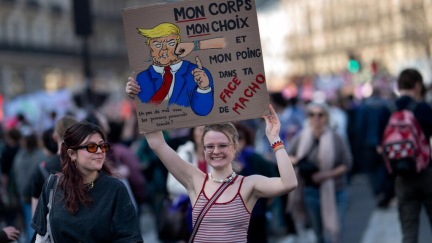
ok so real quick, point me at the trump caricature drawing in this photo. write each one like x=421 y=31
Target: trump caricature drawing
x=171 y=78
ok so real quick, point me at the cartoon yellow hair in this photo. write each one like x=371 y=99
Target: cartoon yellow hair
x=162 y=30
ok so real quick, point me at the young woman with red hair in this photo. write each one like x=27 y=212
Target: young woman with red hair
x=89 y=205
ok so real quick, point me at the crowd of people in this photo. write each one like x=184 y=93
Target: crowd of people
x=278 y=175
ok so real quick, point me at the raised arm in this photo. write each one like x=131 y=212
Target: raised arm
x=274 y=187
x=183 y=171
x=185 y=48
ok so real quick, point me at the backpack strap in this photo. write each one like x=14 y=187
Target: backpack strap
x=207 y=207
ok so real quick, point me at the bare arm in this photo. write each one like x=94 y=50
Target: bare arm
x=216 y=43
x=321 y=176
x=184 y=49
x=338 y=171
x=4 y=183
x=183 y=171
x=274 y=187
x=34 y=202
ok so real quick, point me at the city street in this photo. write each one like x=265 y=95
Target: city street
x=159 y=93
x=364 y=223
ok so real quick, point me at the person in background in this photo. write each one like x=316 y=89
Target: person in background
x=2 y=139
x=89 y=204
x=49 y=144
x=294 y=118
x=372 y=162
x=27 y=157
x=42 y=171
x=352 y=107
x=9 y=152
x=248 y=163
x=9 y=234
x=126 y=157
x=412 y=191
x=23 y=125
x=338 y=117
x=322 y=158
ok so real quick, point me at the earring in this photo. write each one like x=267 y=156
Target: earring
x=74 y=161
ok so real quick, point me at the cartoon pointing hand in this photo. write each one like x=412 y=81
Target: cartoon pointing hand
x=200 y=76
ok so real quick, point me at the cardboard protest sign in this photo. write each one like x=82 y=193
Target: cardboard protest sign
x=197 y=63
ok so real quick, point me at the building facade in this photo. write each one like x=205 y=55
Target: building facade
x=323 y=35
x=39 y=49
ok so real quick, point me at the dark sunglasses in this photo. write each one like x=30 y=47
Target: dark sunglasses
x=92 y=147
x=319 y=114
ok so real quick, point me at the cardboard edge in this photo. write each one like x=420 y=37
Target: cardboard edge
x=266 y=112
x=143 y=6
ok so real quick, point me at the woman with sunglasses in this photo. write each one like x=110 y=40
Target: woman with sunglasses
x=89 y=205
x=322 y=158
x=227 y=219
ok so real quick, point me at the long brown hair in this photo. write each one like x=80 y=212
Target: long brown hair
x=74 y=191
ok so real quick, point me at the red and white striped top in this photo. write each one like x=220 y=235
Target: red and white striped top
x=223 y=222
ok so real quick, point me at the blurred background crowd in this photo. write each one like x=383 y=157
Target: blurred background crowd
x=68 y=58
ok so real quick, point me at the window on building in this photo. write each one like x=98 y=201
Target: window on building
x=41 y=31
x=16 y=28
x=15 y=82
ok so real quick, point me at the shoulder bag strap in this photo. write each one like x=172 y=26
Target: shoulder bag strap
x=207 y=207
x=48 y=234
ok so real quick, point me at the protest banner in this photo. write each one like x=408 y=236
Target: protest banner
x=197 y=63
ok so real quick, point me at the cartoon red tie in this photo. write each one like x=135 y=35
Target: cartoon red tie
x=160 y=95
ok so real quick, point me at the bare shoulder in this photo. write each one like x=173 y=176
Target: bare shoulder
x=247 y=189
x=199 y=178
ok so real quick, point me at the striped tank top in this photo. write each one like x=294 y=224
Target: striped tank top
x=223 y=222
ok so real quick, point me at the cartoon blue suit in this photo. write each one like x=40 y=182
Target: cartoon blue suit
x=185 y=91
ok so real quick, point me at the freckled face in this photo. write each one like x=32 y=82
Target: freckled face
x=218 y=158
x=162 y=50
x=89 y=162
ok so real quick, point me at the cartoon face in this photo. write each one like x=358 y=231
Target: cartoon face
x=162 y=50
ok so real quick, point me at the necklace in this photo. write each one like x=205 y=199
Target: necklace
x=91 y=184
x=222 y=181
